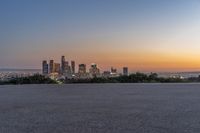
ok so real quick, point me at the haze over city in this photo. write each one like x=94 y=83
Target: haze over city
x=141 y=34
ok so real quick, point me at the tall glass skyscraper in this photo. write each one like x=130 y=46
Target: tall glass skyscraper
x=73 y=67
x=45 y=70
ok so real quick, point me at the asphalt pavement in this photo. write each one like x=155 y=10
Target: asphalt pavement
x=100 y=108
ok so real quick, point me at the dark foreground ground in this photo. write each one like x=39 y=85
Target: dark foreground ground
x=100 y=108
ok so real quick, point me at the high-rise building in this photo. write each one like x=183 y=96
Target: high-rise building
x=73 y=67
x=51 y=66
x=113 y=70
x=63 y=63
x=57 y=67
x=45 y=67
x=67 y=67
x=82 y=69
x=125 y=71
x=94 y=71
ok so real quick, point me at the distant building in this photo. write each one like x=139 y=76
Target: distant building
x=106 y=74
x=57 y=68
x=82 y=72
x=45 y=70
x=51 y=66
x=94 y=71
x=67 y=67
x=113 y=70
x=68 y=72
x=82 y=69
x=63 y=64
x=125 y=71
x=73 y=67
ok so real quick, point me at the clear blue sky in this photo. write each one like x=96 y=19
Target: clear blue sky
x=109 y=32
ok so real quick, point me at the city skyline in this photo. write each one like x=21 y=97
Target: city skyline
x=70 y=67
x=67 y=69
x=152 y=36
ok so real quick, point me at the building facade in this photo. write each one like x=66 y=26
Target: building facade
x=51 y=66
x=125 y=71
x=82 y=69
x=63 y=63
x=45 y=68
x=57 y=68
x=73 y=67
x=94 y=70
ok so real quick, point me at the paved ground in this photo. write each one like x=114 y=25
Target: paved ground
x=100 y=108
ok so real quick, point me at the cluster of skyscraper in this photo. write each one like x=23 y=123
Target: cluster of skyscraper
x=67 y=70
x=55 y=69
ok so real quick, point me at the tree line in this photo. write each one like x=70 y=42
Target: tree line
x=135 y=78
x=35 y=79
x=132 y=78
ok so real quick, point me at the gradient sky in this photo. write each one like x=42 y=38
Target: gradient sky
x=145 y=35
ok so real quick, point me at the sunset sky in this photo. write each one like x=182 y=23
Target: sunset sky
x=145 y=35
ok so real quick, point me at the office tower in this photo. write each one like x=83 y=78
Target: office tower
x=73 y=67
x=68 y=73
x=51 y=66
x=82 y=69
x=94 y=71
x=44 y=67
x=57 y=68
x=125 y=71
x=63 y=63
x=67 y=67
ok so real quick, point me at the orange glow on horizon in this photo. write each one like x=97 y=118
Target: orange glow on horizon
x=137 y=60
